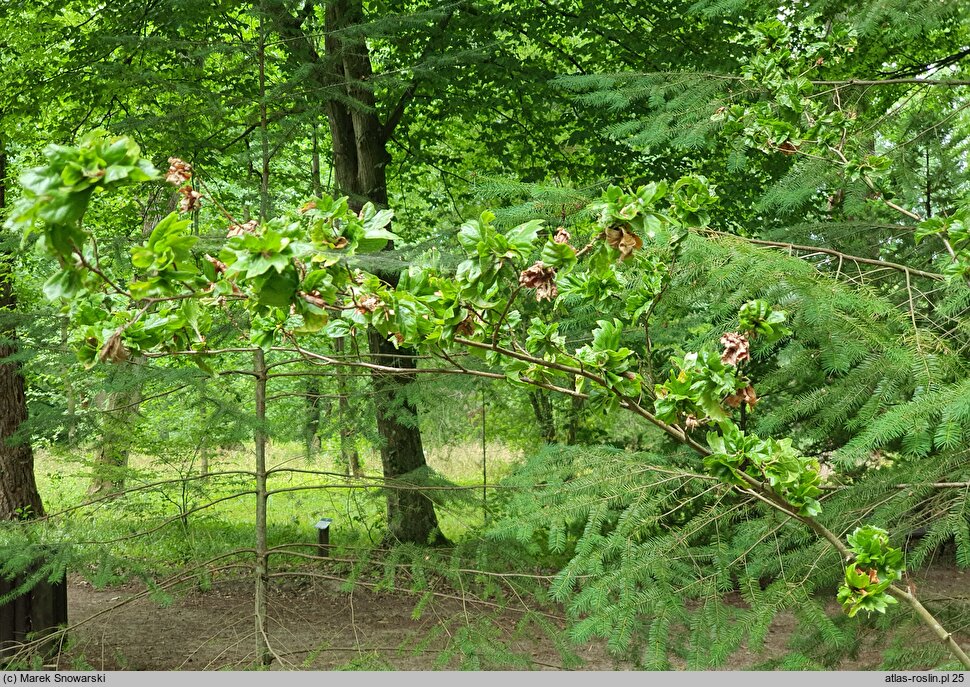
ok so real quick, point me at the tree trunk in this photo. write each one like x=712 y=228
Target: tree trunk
x=120 y=412
x=161 y=203
x=542 y=407
x=69 y=394
x=359 y=158
x=311 y=424
x=19 y=498
x=315 y=186
x=43 y=607
x=575 y=417
x=410 y=514
x=264 y=205
x=121 y=407
x=263 y=651
x=348 y=448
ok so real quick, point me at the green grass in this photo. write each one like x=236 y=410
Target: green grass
x=165 y=522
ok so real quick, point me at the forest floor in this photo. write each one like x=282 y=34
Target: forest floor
x=317 y=625
x=313 y=625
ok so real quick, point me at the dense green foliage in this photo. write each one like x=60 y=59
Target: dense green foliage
x=711 y=257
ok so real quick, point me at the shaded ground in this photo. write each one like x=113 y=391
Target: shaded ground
x=317 y=625
x=313 y=625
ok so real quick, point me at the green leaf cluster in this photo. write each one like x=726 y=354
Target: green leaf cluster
x=792 y=476
x=57 y=193
x=633 y=209
x=695 y=388
x=956 y=230
x=757 y=318
x=166 y=260
x=611 y=360
x=490 y=250
x=875 y=567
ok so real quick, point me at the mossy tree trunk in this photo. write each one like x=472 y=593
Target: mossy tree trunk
x=349 y=456
x=120 y=412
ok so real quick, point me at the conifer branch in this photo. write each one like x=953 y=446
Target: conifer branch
x=921 y=485
x=397 y=112
x=755 y=488
x=837 y=83
x=828 y=251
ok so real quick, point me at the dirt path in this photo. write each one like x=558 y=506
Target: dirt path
x=318 y=626
x=313 y=626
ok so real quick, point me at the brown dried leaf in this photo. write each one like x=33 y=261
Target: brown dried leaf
x=240 y=229
x=542 y=279
x=220 y=266
x=369 y=303
x=114 y=350
x=561 y=235
x=746 y=395
x=735 y=348
x=466 y=327
x=788 y=148
x=191 y=200
x=179 y=172
x=624 y=241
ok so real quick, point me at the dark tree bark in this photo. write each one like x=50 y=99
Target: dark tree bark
x=542 y=407
x=43 y=607
x=19 y=497
x=575 y=417
x=315 y=184
x=359 y=160
x=311 y=423
x=360 y=172
x=410 y=514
